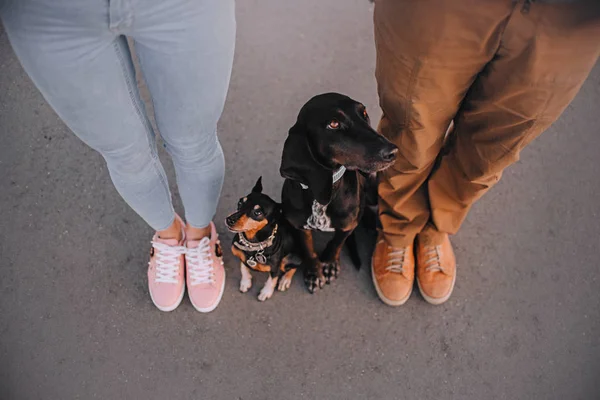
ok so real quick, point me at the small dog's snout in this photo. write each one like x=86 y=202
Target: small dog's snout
x=230 y=221
x=389 y=153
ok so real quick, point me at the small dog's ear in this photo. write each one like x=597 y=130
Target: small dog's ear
x=258 y=186
x=299 y=164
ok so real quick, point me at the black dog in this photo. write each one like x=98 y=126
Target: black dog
x=264 y=241
x=329 y=157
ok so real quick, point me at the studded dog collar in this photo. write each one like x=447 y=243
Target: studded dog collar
x=259 y=248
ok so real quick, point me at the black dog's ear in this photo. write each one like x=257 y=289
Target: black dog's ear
x=299 y=164
x=258 y=186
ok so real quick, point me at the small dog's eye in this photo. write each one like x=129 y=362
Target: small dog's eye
x=258 y=213
x=333 y=125
x=365 y=114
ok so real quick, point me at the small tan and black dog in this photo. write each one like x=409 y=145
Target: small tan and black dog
x=263 y=242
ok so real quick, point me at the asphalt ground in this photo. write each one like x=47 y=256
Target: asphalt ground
x=76 y=320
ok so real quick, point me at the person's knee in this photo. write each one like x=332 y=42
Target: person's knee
x=415 y=161
x=132 y=164
x=195 y=155
x=484 y=171
x=419 y=140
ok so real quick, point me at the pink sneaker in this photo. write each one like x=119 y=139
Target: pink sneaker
x=205 y=271
x=165 y=272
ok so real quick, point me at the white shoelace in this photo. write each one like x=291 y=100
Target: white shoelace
x=433 y=261
x=167 y=262
x=396 y=259
x=199 y=263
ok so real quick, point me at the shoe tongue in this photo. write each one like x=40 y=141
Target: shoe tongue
x=193 y=244
x=168 y=242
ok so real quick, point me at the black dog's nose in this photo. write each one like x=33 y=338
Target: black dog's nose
x=389 y=153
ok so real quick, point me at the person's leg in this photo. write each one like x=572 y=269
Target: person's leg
x=544 y=58
x=84 y=70
x=186 y=54
x=428 y=54
x=75 y=56
x=545 y=55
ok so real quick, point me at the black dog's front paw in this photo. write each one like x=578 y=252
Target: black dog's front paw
x=331 y=270
x=314 y=280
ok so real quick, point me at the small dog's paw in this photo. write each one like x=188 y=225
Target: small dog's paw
x=266 y=293
x=331 y=270
x=314 y=281
x=284 y=283
x=245 y=285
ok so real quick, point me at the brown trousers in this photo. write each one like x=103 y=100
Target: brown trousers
x=502 y=71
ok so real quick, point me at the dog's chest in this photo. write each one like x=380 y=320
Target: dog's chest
x=319 y=220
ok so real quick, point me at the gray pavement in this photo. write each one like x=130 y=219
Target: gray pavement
x=76 y=320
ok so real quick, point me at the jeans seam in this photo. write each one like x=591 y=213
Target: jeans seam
x=143 y=120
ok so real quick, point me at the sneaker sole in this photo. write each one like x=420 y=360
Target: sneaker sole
x=393 y=303
x=211 y=308
x=434 y=300
x=170 y=308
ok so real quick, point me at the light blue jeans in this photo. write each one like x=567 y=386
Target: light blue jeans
x=76 y=53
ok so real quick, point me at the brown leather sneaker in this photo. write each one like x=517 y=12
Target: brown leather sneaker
x=393 y=272
x=436 y=267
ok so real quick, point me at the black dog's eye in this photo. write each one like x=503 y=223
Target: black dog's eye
x=240 y=203
x=257 y=213
x=365 y=114
x=333 y=125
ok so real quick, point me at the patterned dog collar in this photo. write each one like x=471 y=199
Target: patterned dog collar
x=337 y=175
